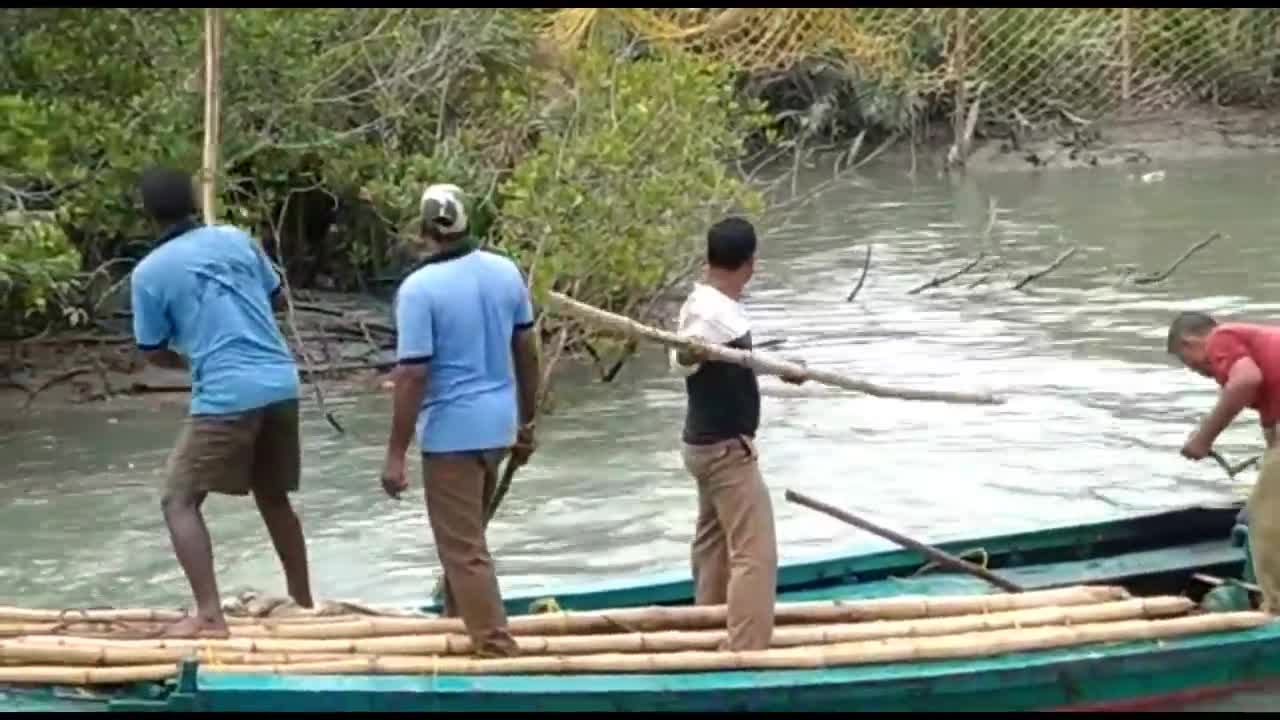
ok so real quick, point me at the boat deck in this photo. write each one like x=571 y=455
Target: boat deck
x=1127 y=553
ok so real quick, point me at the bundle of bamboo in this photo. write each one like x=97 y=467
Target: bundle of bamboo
x=677 y=639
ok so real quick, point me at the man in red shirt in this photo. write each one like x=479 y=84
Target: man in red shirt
x=1244 y=359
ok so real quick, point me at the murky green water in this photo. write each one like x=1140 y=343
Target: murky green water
x=1095 y=417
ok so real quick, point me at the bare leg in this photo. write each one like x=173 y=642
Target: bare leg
x=291 y=546
x=194 y=549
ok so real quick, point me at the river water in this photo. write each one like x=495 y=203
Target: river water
x=1095 y=415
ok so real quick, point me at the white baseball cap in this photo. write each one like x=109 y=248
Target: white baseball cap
x=443 y=209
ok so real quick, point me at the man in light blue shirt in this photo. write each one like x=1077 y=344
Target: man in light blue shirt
x=203 y=300
x=466 y=382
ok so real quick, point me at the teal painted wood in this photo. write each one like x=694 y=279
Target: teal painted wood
x=51 y=700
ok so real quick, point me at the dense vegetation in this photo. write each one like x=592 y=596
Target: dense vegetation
x=595 y=173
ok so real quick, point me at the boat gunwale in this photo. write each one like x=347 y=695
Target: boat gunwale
x=844 y=566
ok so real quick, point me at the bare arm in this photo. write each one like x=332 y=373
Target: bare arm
x=524 y=346
x=410 y=385
x=1269 y=435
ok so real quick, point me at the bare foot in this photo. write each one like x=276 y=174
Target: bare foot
x=198 y=627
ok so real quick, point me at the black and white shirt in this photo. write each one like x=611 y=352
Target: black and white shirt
x=723 y=398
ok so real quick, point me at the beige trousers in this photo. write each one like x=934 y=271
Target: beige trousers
x=1263 y=509
x=734 y=553
x=458 y=489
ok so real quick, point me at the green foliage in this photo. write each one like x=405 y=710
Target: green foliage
x=37 y=266
x=628 y=172
x=602 y=178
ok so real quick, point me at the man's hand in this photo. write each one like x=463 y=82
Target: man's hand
x=692 y=356
x=795 y=379
x=1196 y=447
x=525 y=445
x=393 y=479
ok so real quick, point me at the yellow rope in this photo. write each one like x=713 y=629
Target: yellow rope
x=544 y=605
x=986 y=558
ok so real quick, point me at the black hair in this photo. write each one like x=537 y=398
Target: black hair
x=1189 y=323
x=168 y=194
x=731 y=243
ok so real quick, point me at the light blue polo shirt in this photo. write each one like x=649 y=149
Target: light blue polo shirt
x=458 y=313
x=206 y=293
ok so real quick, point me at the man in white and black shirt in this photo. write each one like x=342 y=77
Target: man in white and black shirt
x=734 y=552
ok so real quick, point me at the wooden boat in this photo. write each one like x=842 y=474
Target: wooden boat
x=1171 y=557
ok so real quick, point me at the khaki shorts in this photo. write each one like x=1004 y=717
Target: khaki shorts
x=255 y=451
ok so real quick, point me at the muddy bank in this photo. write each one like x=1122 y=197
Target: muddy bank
x=342 y=343
x=1199 y=134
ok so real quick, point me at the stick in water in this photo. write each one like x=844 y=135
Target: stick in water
x=754 y=360
x=943 y=558
x=1233 y=470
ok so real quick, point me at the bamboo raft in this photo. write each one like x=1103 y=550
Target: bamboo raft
x=104 y=647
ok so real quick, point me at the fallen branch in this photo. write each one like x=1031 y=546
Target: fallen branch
x=756 y=361
x=60 y=377
x=940 y=280
x=141 y=388
x=1057 y=263
x=866 y=266
x=1162 y=276
x=359 y=324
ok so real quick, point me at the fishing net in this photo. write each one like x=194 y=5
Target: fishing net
x=1021 y=65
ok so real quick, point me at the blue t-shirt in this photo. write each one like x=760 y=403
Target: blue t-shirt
x=206 y=293
x=459 y=313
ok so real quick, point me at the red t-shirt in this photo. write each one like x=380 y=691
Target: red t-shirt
x=1229 y=342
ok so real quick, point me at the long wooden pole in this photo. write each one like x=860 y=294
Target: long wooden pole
x=212 y=113
x=757 y=361
x=940 y=556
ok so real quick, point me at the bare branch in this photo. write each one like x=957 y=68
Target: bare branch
x=866 y=266
x=940 y=280
x=1162 y=276
x=1057 y=263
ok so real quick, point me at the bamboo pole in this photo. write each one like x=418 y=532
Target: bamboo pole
x=59 y=675
x=1126 y=57
x=898 y=649
x=643 y=619
x=39 y=615
x=121 y=655
x=759 y=362
x=954 y=645
x=701 y=617
x=328 y=611
x=212 y=112
x=59 y=650
x=959 y=71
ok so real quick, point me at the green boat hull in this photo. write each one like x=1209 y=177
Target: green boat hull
x=1151 y=554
